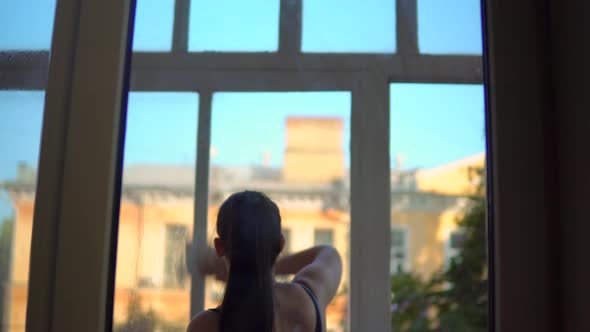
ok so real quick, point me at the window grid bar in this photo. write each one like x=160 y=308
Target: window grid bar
x=407 y=27
x=199 y=242
x=290 y=27
x=393 y=64
x=181 y=26
x=370 y=209
x=147 y=76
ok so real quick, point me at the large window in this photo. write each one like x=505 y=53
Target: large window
x=293 y=148
x=152 y=281
x=362 y=120
x=438 y=204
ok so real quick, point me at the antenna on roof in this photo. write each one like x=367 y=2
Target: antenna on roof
x=399 y=162
x=266 y=158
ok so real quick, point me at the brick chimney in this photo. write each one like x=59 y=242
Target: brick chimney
x=314 y=149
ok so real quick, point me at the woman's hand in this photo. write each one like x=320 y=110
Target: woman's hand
x=209 y=264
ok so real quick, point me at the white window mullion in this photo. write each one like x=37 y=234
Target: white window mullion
x=199 y=242
x=370 y=208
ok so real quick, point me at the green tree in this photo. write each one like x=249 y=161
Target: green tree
x=411 y=303
x=463 y=306
x=455 y=299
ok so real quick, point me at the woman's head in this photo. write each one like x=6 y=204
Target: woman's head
x=249 y=225
x=249 y=230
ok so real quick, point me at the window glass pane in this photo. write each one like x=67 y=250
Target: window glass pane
x=449 y=27
x=152 y=286
x=438 y=200
x=26 y=24
x=153 y=25
x=226 y=25
x=294 y=147
x=348 y=26
x=20 y=137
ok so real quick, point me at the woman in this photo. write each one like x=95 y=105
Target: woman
x=248 y=244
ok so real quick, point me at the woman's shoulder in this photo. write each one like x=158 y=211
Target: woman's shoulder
x=295 y=303
x=205 y=321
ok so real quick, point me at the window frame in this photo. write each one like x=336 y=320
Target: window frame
x=63 y=156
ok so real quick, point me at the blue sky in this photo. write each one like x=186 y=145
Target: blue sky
x=430 y=124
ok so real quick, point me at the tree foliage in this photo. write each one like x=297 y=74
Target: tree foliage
x=455 y=299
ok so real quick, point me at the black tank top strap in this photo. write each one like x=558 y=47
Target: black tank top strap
x=318 y=314
x=215 y=310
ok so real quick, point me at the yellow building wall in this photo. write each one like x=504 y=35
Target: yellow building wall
x=452 y=178
x=428 y=233
x=314 y=151
x=140 y=254
x=16 y=310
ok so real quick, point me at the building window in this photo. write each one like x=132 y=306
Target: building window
x=399 y=250
x=174 y=260
x=287 y=235
x=454 y=245
x=323 y=237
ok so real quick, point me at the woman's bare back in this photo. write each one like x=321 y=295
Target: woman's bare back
x=294 y=312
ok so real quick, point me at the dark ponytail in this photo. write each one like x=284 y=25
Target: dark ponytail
x=249 y=226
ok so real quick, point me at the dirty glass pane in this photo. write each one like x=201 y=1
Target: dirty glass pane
x=25 y=25
x=234 y=26
x=21 y=114
x=348 y=26
x=449 y=27
x=293 y=146
x=438 y=220
x=152 y=284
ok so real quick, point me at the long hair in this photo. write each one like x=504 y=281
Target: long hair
x=249 y=226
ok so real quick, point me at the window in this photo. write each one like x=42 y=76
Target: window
x=447 y=27
x=158 y=186
x=150 y=14
x=239 y=26
x=454 y=245
x=437 y=196
x=175 y=273
x=287 y=235
x=323 y=237
x=294 y=150
x=307 y=124
x=27 y=25
x=399 y=250
x=350 y=27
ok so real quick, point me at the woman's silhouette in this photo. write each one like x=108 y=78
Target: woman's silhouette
x=248 y=244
